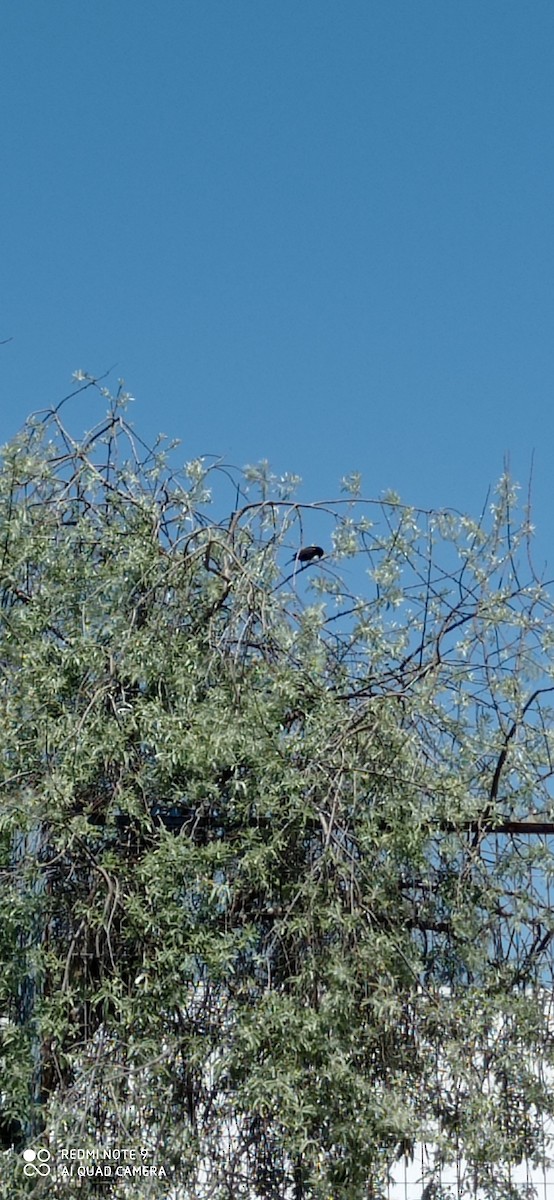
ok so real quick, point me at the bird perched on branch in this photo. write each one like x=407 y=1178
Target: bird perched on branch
x=307 y=554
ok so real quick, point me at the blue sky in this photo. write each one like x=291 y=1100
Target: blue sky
x=314 y=231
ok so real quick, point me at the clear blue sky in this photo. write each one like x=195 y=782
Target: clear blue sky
x=317 y=231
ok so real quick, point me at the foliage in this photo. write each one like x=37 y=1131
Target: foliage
x=272 y=905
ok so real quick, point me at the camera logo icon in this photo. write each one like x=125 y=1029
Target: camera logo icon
x=37 y=1162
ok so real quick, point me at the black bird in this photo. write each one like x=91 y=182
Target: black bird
x=306 y=554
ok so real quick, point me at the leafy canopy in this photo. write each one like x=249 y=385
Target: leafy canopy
x=275 y=901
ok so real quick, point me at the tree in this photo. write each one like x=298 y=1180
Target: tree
x=275 y=855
